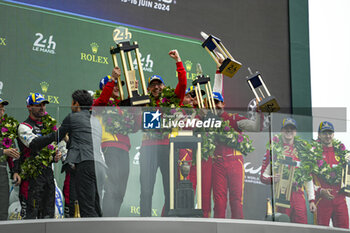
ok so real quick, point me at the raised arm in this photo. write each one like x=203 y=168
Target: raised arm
x=107 y=89
x=181 y=73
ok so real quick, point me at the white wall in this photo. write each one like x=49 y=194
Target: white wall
x=329 y=22
x=329 y=26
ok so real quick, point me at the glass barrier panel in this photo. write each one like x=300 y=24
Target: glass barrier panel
x=142 y=161
x=309 y=162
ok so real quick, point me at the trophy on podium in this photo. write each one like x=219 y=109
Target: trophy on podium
x=283 y=188
x=345 y=181
x=202 y=80
x=229 y=66
x=182 y=201
x=266 y=102
x=122 y=37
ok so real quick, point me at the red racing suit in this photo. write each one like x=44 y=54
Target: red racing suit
x=228 y=173
x=335 y=209
x=298 y=211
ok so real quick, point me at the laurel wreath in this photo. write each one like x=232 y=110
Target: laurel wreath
x=230 y=137
x=169 y=103
x=305 y=153
x=34 y=165
x=332 y=175
x=116 y=120
x=8 y=127
x=167 y=98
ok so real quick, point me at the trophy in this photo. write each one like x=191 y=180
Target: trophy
x=345 y=181
x=266 y=102
x=122 y=38
x=230 y=66
x=182 y=203
x=283 y=189
x=202 y=80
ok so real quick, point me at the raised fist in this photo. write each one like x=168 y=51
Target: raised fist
x=175 y=55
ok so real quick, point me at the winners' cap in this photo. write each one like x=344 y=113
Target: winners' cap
x=4 y=102
x=218 y=96
x=288 y=121
x=155 y=77
x=188 y=90
x=326 y=126
x=36 y=98
x=106 y=79
x=192 y=91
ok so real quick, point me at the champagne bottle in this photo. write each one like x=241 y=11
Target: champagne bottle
x=76 y=209
x=36 y=213
x=268 y=216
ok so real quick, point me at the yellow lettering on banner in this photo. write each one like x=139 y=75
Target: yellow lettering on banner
x=93 y=58
x=135 y=209
x=2 y=41
x=105 y=60
x=53 y=99
x=194 y=76
x=154 y=214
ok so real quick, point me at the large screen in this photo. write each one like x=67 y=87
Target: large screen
x=256 y=33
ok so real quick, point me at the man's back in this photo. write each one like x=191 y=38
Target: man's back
x=85 y=135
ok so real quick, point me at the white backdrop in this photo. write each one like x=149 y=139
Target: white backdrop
x=330 y=56
x=329 y=26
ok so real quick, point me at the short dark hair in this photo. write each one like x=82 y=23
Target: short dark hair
x=83 y=97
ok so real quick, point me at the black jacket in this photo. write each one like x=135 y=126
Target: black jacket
x=85 y=134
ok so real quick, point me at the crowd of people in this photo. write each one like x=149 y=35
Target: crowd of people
x=95 y=159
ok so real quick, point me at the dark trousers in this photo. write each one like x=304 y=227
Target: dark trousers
x=117 y=161
x=87 y=189
x=4 y=192
x=41 y=196
x=151 y=158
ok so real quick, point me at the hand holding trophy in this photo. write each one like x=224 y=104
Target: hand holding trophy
x=202 y=80
x=265 y=101
x=116 y=73
x=122 y=38
x=229 y=65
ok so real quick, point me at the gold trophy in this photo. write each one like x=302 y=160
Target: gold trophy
x=345 y=181
x=266 y=102
x=202 y=80
x=283 y=188
x=182 y=200
x=122 y=38
x=229 y=66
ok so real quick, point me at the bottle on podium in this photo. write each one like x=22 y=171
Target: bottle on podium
x=76 y=209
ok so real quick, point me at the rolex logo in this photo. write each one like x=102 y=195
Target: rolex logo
x=93 y=57
x=94 y=47
x=188 y=65
x=44 y=86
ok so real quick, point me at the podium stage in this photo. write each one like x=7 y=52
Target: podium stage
x=157 y=225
